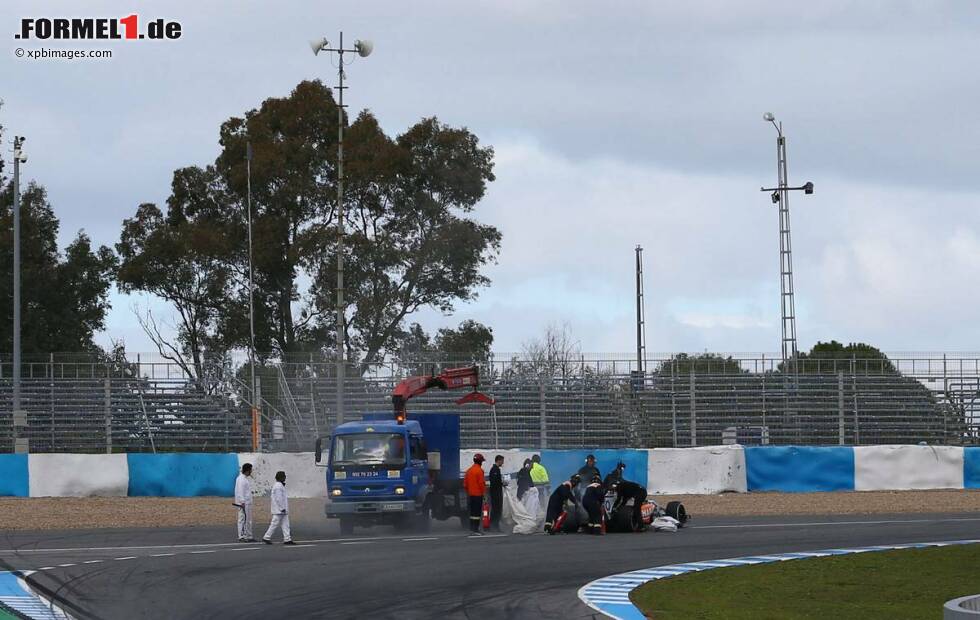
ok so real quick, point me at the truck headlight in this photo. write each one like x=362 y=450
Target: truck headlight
x=336 y=492
x=399 y=490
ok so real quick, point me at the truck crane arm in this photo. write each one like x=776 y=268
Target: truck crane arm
x=451 y=379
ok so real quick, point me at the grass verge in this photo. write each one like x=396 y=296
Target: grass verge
x=912 y=583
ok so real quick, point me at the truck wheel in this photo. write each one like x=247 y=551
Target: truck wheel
x=346 y=526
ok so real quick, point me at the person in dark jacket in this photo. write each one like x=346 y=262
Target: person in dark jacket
x=496 y=493
x=524 y=481
x=589 y=471
x=627 y=490
x=592 y=500
x=586 y=473
x=615 y=475
x=556 y=503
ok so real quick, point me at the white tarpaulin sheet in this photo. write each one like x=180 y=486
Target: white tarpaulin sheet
x=525 y=515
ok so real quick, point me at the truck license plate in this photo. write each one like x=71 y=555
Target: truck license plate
x=391 y=507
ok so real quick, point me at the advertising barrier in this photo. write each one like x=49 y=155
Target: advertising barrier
x=668 y=471
x=798 y=469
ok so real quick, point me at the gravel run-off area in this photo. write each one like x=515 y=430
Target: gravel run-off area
x=58 y=513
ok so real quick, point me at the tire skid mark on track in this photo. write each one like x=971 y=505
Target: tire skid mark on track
x=199 y=548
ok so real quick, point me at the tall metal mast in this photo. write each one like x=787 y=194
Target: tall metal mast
x=362 y=49
x=641 y=336
x=786 y=296
x=780 y=197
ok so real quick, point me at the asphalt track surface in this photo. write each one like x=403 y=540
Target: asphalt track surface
x=198 y=573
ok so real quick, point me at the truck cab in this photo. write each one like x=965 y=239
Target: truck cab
x=382 y=472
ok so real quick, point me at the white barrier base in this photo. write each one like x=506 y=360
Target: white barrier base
x=78 y=475
x=696 y=471
x=897 y=468
x=303 y=477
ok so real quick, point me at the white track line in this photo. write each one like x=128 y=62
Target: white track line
x=128 y=557
x=198 y=545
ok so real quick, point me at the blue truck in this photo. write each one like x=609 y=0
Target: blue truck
x=381 y=472
x=391 y=470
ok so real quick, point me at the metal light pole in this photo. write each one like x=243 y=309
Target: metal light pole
x=256 y=443
x=362 y=49
x=780 y=197
x=641 y=336
x=19 y=417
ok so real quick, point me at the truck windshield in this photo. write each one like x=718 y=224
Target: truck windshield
x=369 y=449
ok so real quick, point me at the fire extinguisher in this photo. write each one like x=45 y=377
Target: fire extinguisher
x=486 y=515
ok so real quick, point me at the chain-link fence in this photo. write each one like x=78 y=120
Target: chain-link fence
x=73 y=405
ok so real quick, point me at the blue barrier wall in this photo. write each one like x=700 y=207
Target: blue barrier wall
x=14 y=479
x=799 y=468
x=182 y=475
x=563 y=463
x=971 y=468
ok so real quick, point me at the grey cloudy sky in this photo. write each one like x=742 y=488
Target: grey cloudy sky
x=615 y=124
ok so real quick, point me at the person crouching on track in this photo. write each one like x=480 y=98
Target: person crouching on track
x=556 y=503
x=476 y=488
x=592 y=500
x=243 y=501
x=280 y=512
x=627 y=490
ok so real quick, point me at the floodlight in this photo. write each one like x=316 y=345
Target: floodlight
x=768 y=117
x=19 y=153
x=319 y=45
x=775 y=197
x=364 y=48
x=808 y=187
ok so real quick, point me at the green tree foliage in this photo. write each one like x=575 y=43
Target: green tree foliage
x=64 y=296
x=833 y=356
x=707 y=363
x=409 y=242
x=469 y=343
x=180 y=257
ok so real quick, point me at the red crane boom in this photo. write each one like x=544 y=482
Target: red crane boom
x=451 y=379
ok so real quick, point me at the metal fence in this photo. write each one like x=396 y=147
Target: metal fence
x=592 y=401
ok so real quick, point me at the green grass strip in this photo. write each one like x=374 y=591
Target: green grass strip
x=911 y=583
x=8 y=614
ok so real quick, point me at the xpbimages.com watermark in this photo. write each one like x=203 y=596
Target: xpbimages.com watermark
x=128 y=28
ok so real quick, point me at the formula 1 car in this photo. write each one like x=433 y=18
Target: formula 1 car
x=620 y=519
